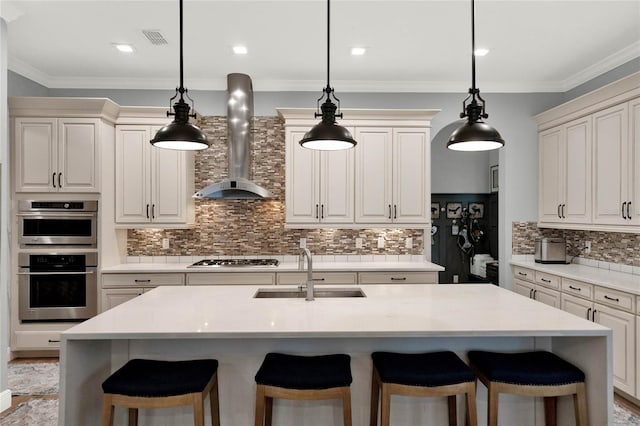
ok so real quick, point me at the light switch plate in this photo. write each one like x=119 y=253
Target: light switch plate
x=165 y=243
x=408 y=242
x=380 y=242
x=303 y=243
x=358 y=242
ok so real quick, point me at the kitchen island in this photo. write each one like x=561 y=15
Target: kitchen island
x=227 y=323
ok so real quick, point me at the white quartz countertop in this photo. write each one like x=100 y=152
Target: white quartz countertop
x=603 y=277
x=417 y=310
x=282 y=267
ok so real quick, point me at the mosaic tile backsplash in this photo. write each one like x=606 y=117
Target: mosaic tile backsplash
x=614 y=247
x=245 y=227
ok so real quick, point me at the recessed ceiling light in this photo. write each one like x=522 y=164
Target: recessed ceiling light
x=481 y=52
x=358 y=51
x=240 y=50
x=125 y=48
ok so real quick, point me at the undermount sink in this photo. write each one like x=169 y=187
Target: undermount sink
x=289 y=293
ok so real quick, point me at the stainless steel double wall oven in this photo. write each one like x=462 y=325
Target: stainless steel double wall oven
x=58 y=260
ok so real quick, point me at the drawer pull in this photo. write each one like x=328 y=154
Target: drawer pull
x=575 y=288
x=142 y=281
x=615 y=299
x=544 y=280
x=53 y=341
x=588 y=314
x=318 y=279
x=522 y=274
x=398 y=278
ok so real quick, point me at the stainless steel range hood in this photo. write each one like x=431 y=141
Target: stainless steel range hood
x=239 y=114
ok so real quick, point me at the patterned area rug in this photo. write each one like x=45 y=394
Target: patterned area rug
x=33 y=378
x=35 y=411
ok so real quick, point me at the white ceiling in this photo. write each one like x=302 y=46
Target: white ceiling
x=413 y=46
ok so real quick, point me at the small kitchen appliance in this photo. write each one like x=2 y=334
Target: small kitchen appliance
x=550 y=250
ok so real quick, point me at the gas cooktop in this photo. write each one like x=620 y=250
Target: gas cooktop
x=214 y=263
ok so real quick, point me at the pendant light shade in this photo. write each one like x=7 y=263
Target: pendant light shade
x=328 y=135
x=180 y=134
x=475 y=134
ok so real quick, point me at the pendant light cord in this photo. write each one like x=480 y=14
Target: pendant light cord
x=181 y=89
x=473 y=46
x=328 y=42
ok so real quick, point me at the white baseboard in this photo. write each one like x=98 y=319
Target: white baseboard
x=5 y=399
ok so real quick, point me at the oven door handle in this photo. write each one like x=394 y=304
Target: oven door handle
x=56 y=273
x=70 y=215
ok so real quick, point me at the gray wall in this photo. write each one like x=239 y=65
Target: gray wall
x=617 y=73
x=4 y=218
x=22 y=86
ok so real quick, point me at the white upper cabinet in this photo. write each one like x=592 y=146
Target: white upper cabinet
x=611 y=166
x=589 y=157
x=57 y=154
x=57 y=142
x=565 y=173
x=385 y=179
x=319 y=184
x=393 y=175
x=153 y=185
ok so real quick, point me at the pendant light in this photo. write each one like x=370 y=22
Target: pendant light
x=180 y=134
x=475 y=134
x=328 y=135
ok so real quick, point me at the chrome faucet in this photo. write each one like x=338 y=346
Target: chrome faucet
x=304 y=252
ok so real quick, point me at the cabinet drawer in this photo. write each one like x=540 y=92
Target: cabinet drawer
x=398 y=277
x=577 y=288
x=230 y=278
x=523 y=273
x=141 y=280
x=638 y=312
x=296 y=278
x=25 y=340
x=547 y=280
x=616 y=299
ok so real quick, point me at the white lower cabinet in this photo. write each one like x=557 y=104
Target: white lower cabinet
x=623 y=325
x=35 y=340
x=537 y=292
x=231 y=278
x=119 y=288
x=296 y=278
x=115 y=296
x=398 y=277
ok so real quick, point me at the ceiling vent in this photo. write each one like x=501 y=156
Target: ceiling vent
x=155 y=37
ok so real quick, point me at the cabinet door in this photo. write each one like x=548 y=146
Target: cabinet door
x=133 y=192
x=336 y=186
x=78 y=155
x=36 y=161
x=114 y=297
x=302 y=195
x=637 y=394
x=374 y=184
x=550 y=175
x=577 y=165
x=610 y=165
x=624 y=345
x=411 y=176
x=576 y=306
x=523 y=287
x=547 y=296
x=634 y=178
x=169 y=202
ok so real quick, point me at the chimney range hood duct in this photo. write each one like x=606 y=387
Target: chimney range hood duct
x=239 y=114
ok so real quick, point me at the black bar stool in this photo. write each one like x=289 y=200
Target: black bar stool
x=145 y=383
x=302 y=378
x=425 y=375
x=537 y=373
